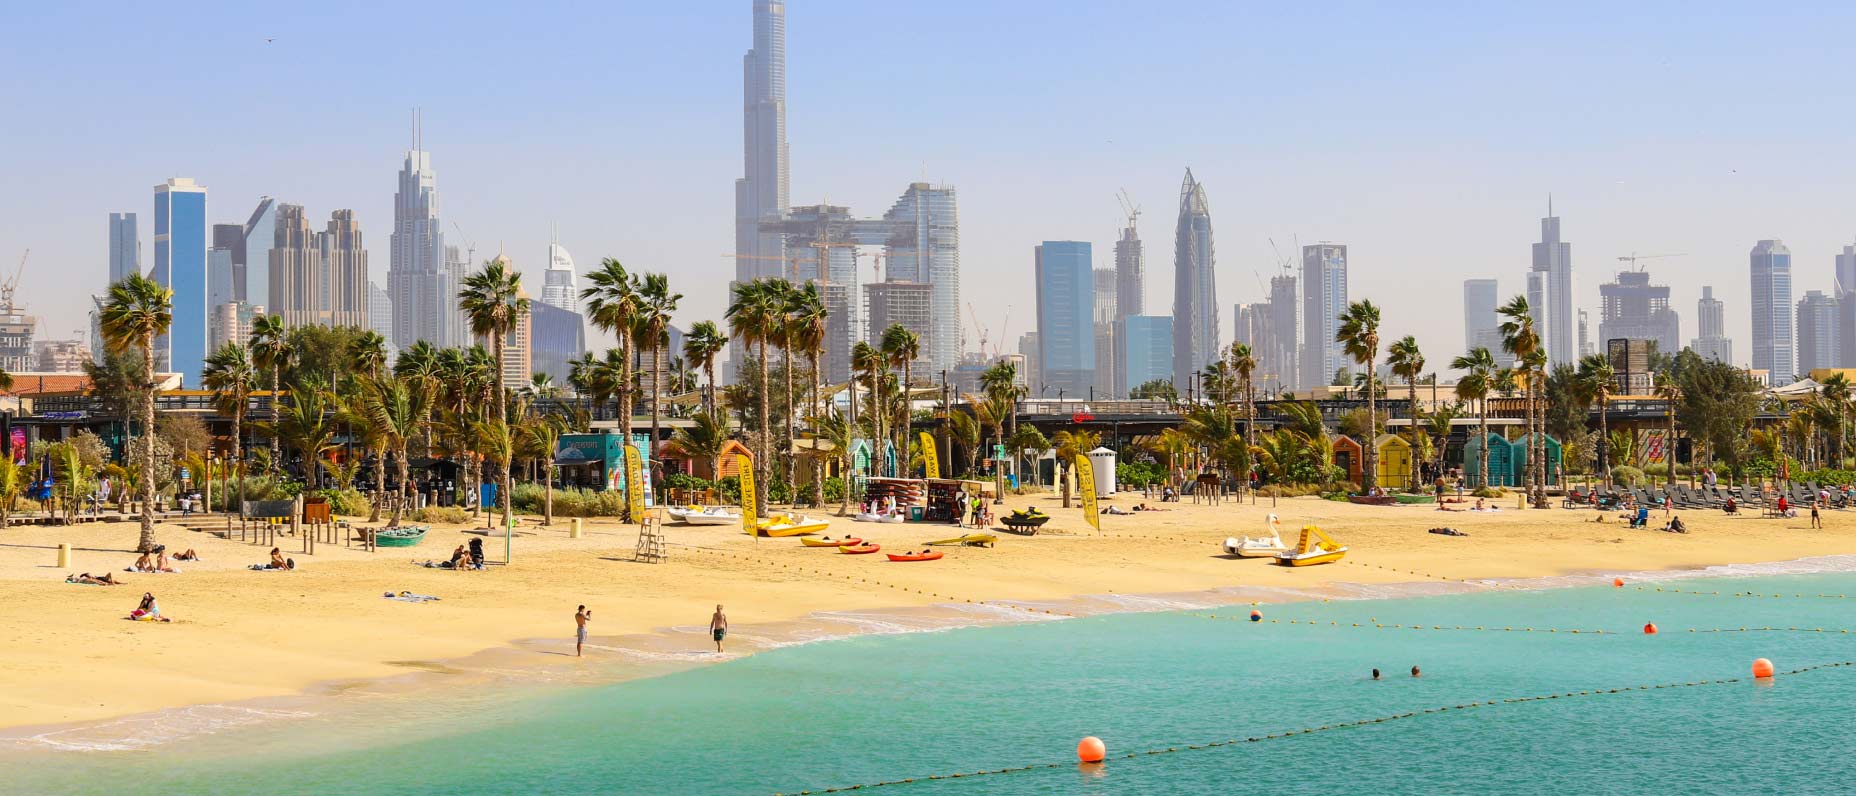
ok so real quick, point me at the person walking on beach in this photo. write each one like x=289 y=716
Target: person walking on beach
x=718 y=627
x=581 y=617
x=1816 y=521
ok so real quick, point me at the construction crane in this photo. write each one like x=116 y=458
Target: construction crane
x=1633 y=257
x=975 y=317
x=470 y=247
x=6 y=290
x=1128 y=208
x=1283 y=264
x=789 y=263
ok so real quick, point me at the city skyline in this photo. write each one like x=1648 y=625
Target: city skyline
x=1382 y=193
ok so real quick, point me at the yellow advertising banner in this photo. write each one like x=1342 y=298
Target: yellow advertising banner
x=750 y=511
x=931 y=457
x=634 y=482
x=1086 y=484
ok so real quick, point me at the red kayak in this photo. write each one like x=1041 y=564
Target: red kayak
x=934 y=556
x=860 y=549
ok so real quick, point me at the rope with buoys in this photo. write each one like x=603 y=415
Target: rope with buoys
x=1699 y=593
x=1377 y=625
x=874 y=581
x=1323 y=728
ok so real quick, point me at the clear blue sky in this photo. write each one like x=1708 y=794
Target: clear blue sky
x=1425 y=137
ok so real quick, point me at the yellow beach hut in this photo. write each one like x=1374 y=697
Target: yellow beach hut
x=1394 y=467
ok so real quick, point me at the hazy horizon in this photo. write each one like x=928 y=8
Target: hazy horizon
x=1427 y=140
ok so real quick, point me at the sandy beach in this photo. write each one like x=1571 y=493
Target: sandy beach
x=68 y=655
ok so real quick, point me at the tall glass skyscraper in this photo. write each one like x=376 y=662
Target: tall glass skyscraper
x=419 y=274
x=1481 y=327
x=1195 y=289
x=1145 y=344
x=251 y=274
x=1324 y=297
x=1066 y=318
x=924 y=246
x=558 y=288
x=125 y=247
x=1550 y=292
x=1773 y=352
x=180 y=265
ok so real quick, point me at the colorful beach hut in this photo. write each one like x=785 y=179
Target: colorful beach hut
x=1393 y=468
x=1349 y=457
x=1553 y=457
x=1501 y=461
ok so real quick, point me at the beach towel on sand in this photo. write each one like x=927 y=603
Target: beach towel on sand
x=409 y=597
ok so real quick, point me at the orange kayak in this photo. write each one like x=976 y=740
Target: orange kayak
x=860 y=549
x=934 y=556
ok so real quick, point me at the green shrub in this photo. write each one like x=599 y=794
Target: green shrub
x=347 y=502
x=1289 y=490
x=1626 y=475
x=834 y=490
x=687 y=481
x=728 y=490
x=1837 y=477
x=528 y=498
x=1489 y=492
x=449 y=514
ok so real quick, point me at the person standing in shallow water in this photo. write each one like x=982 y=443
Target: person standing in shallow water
x=581 y=617
x=718 y=627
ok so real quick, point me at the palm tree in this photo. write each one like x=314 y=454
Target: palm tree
x=835 y=428
x=1477 y=381
x=1836 y=391
x=304 y=425
x=1593 y=383
x=992 y=411
x=701 y=346
x=542 y=434
x=270 y=349
x=1243 y=362
x=1407 y=362
x=704 y=438
x=1521 y=339
x=420 y=364
x=808 y=334
x=901 y=348
x=229 y=373
x=786 y=304
x=1358 y=334
x=493 y=301
x=753 y=317
x=1025 y=442
x=1671 y=393
x=613 y=305
x=1071 y=444
x=367 y=352
x=138 y=311
x=541 y=385
x=400 y=407
x=352 y=407
x=655 y=304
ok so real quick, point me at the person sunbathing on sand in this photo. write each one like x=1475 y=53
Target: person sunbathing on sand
x=148 y=611
x=277 y=562
x=187 y=555
x=106 y=579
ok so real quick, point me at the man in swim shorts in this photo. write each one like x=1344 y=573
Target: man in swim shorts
x=581 y=617
x=718 y=627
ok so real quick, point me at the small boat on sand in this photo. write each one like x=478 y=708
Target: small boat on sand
x=876 y=517
x=704 y=515
x=860 y=549
x=1259 y=547
x=970 y=540
x=1372 y=500
x=791 y=525
x=851 y=541
x=1313 y=548
x=934 y=556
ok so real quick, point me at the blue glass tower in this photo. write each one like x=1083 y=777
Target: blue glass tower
x=180 y=265
x=1066 y=318
x=1147 y=349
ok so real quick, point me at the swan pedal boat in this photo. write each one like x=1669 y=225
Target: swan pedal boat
x=869 y=517
x=1258 y=547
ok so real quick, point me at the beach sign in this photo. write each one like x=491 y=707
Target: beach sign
x=750 y=515
x=1086 y=483
x=634 y=483
x=931 y=457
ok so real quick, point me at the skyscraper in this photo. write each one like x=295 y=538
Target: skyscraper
x=1481 y=327
x=1324 y=297
x=1195 y=291
x=222 y=265
x=1066 y=329
x=1146 y=346
x=125 y=247
x=251 y=267
x=1106 y=313
x=1270 y=329
x=1553 y=315
x=380 y=313
x=342 y=297
x=318 y=278
x=1846 y=272
x=1771 y=299
x=760 y=194
x=292 y=270
x=556 y=338
x=924 y=246
x=1818 y=337
x=419 y=273
x=180 y=265
x=1130 y=272
x=1711 y=318
x=890 y=303
x=558 y=288
x=1632 y=308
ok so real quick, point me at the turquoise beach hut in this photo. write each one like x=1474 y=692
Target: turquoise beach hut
x=1501 y=461
x=1553 y=456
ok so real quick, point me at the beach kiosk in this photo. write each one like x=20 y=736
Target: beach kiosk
x=597 y=461
x=1349 y=457
x=1501 y=461
x=1102 y=465
x=1394 y=466
x=1553 y=457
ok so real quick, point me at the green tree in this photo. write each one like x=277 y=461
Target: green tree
x=1244 y=364
x=493 y=301
x=901 y=348
x=1407 y=362
x=1594 y=386
x=701 y=345
x=1069 y=445
x=1477 y=381
x=139 y=310
x=270 y=350
x=1155 y=390
x=1358 y=334
x=230 y=374
x=755 y=316
x=656 y=302
x=1522 y=340
x=367 y=353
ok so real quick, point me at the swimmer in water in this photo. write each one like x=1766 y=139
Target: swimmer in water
x=1375 y=674
x=1415 y=672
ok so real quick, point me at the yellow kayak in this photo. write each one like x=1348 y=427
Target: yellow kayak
x=829 y=542
x=972 y=539
x=787 y=525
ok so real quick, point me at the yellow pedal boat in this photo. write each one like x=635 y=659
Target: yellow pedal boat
x=790 y=525
x=1313 y=548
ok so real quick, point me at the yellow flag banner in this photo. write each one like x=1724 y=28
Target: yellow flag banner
x=634 y=482
x=931 y=457
x=750 y=512
x=1086 y=484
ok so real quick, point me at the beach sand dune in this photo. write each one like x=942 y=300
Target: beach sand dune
x=68 y=655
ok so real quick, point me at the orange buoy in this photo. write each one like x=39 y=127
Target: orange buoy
x=1256 y=616
x=1617 y=583
x=1091 y=750
x=1649 y=628
x=1762 y=668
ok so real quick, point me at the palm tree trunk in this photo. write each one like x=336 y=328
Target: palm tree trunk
x=1482 y=456
x=1604 y=438
x=502 y=416
x=277 y=445
x=147 y=542
x=908 y=415
x=380 y=483
x=786 y=362
x=238 y=425
x=399 y=506
x=766 y=436
x=657 y=375
x=818 y=462
x=1371 y=474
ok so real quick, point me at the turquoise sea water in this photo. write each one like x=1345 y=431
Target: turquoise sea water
x=879 y=708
